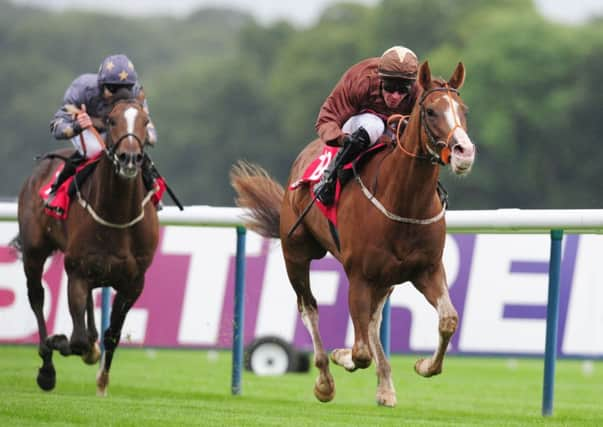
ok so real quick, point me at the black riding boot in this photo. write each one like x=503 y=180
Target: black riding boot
x=325 y=188
x=68 y=170
x=352 y=146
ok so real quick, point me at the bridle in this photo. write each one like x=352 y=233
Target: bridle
x=111 y=150
x=111 y=153
x=433 y=156
x=442 y=158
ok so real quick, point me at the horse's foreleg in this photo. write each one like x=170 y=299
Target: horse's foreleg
x=121 y=306
x=436 y=292
x=92 y=356
x=386 y=393
x=33 y=267
x=78 y=292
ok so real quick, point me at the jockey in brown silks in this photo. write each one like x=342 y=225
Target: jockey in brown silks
x=355 y=113
x=94 y=94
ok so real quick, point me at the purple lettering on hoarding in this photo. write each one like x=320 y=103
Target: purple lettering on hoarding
x=161 y=314
x=163 y=295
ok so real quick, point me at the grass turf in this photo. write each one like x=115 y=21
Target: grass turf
x=188 y=387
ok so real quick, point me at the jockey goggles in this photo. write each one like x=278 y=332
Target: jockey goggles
x=115 y=87
x=402 y=86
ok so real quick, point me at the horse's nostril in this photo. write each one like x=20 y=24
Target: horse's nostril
x=139 y=158
x=458 y=149
x=123 y=157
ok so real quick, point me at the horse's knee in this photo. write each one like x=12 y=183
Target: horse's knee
x=361 y=355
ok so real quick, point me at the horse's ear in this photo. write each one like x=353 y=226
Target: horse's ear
x=424 y=75
x=458 y=76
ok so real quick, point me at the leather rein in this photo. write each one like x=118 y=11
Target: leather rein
x=433 y=157
x=110 y=152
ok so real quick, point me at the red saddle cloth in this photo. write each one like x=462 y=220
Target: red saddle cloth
x=59 y=207
x=314 y=172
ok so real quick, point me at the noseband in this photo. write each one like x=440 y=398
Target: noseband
x=111 y=150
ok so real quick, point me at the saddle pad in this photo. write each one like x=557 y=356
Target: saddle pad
x=59 y=207
x=316 y=168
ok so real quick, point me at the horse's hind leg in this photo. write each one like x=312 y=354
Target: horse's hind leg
x=121 y=306
x=299 y=276
x=435 y=290
x=33 y=264
x=92 y=356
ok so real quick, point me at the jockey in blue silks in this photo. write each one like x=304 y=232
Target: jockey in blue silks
x=94 y=94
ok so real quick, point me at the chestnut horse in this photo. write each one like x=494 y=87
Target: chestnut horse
x=108 y=239
x=389 y=235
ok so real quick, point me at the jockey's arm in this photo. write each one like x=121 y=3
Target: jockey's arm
x=151 y=132
x=339 y=106
x=64 y=125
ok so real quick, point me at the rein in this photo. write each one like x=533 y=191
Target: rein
x=110 y=153
x=444 y=157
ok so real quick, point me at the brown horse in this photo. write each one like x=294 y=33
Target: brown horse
x=392 y=234
x=108 y=239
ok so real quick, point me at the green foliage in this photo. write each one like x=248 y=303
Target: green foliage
x=222 y=87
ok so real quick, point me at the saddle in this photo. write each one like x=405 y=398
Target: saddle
x=316 y=168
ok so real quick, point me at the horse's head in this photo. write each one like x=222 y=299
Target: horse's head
x=443 y=119
x=126 y=134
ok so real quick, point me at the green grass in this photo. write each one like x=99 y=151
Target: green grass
x=186 y=387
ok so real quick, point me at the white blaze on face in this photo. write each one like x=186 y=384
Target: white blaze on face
x=452 y=118
x=130 y=116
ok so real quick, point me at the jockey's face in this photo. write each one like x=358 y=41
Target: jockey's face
x=395 y=90
x=109 y=91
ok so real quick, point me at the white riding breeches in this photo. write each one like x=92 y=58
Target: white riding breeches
x=91 y=146
x=372 y=123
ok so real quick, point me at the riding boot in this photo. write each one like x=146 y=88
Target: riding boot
x=353 y=145
x=325 y=188
x=68 y=170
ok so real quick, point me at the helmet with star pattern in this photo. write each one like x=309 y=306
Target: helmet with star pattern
x=116 y=71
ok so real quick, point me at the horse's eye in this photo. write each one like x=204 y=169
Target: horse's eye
x=430 y=112
x=111 y=121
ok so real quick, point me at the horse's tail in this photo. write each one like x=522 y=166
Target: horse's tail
x=259 y=193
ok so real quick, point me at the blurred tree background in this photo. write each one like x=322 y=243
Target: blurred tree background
x=222 y=87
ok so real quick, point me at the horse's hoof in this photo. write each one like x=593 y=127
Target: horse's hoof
x=424 y=368
x=343 y=357
x=93 y=355
x=387 y=399
x=102 y=381
x=324 y=390
x=46 y=378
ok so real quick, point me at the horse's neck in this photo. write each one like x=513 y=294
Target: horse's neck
x=408 y=184
x=114 y=196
